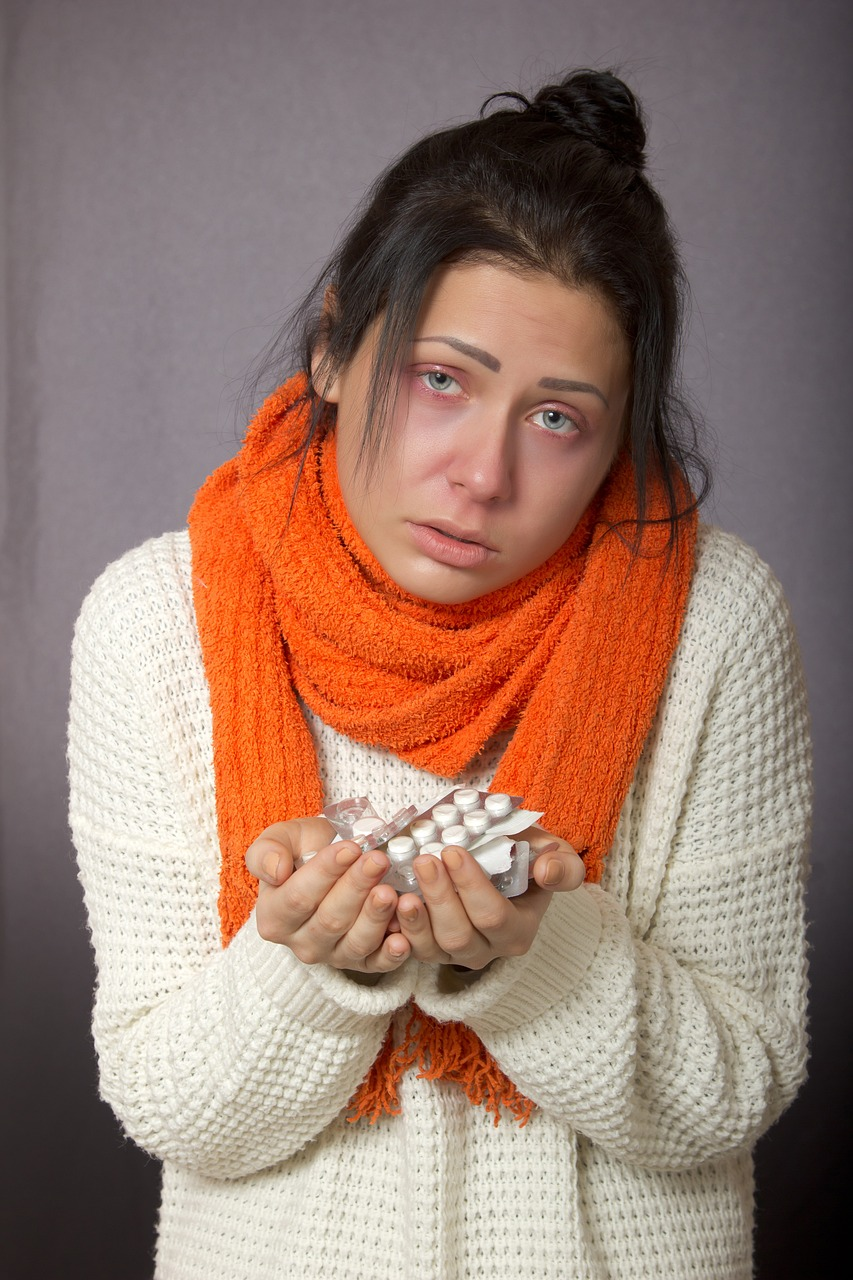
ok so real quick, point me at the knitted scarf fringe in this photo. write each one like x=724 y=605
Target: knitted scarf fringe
x=442 y=1050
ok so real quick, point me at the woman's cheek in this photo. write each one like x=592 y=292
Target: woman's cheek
x=429 y=435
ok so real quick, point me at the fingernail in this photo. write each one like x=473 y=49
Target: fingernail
x=373 y=867
x=347 y=855
x=452 y=858
x=269 y=867
x=427 y=869
x=410 y=914
x=553 y=872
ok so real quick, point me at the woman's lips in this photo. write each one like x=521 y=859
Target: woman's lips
x=449 y=548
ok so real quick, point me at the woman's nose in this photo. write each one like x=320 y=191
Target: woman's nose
x=481 y=460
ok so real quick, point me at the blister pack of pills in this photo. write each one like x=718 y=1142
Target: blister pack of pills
x=483 y=822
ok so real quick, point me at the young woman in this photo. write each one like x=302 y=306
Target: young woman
x=458 y=547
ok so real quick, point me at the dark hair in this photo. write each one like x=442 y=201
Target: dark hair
x=555 y=184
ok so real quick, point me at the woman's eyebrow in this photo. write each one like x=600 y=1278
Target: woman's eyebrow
x=568 y=384
x=491 y=362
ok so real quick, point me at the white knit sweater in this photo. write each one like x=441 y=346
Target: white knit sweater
x=657 y=1022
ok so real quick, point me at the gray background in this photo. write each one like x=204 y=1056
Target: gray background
x=172 y=175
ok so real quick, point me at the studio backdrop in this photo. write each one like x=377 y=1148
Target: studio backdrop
x=173 y=173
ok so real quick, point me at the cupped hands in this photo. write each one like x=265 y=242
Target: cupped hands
x=333 y=909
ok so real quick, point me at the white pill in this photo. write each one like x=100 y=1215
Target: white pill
x=466 y=799
x=477 y=822
x=456 y=835
x=423 y=831
x=366 y=826
x=446 y=815
x=401 y=848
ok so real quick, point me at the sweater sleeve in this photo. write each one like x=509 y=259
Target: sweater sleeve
x=223 y=1061
x=663 y=1016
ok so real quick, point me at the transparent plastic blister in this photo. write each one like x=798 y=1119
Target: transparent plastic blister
x=356 y=819
x=483 y=822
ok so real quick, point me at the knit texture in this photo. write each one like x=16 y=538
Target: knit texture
x=657 y=1021
x=574 y=654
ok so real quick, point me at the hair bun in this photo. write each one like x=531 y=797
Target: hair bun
x=597 y=107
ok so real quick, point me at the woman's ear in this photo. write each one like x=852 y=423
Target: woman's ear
x=326 y=387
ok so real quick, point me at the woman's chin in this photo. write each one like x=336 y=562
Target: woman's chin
x=440 y=583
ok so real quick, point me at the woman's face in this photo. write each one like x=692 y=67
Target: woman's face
x=509 y=413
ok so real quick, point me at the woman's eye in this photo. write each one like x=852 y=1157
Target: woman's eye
x=437 y=380
x=560 y=424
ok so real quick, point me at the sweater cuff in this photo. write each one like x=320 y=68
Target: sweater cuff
x=515 y=991
x=317 y=995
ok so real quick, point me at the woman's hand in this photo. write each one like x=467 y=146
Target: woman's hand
x=464 y=920
x=332 y=910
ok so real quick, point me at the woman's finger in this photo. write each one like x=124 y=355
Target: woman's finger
x=362 y=945
x=554 y=863
x=414 y=922
x=449 y=921
x=393 y=951
x=321 y=901
x=284 y=909
x=558 y=870
x=344 y=898
x=326 y=895
x=507 y=925
x=270 y=860
x=273 y=854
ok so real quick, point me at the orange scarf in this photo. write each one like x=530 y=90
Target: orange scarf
x=575 y=654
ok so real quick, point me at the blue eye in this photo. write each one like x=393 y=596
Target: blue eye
x=438 y=380
x=554 y=421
